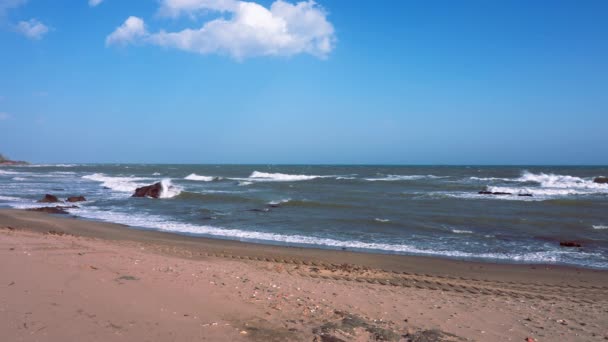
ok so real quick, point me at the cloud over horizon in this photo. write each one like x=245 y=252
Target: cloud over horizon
x=250 y=30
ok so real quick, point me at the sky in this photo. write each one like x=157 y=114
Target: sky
x=287 y=82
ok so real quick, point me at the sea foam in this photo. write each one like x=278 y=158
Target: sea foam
x=394 y=178
x=195 y=177
x=280 y=177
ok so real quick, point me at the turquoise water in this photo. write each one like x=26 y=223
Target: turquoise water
x=418 y=210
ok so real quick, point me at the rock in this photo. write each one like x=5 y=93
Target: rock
x=601 y=180
x=524 y=195
x=49 y=210
x=494 y=193
x=570 y=244
x=76 y=199
x=152 y=191
x=49 y=199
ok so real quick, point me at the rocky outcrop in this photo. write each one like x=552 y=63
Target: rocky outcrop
x=494 y=193
x=49 y=199
x=570 y=244
x=7 y=162
x=76 y=199
x=52 y=210
x=153 y=191
x=601 y=180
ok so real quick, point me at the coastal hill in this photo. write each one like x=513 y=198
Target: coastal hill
x=6 y=161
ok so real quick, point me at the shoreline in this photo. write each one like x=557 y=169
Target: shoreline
x=114 y=283
x=199 y=247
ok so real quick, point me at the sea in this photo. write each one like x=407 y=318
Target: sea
x=412 y=210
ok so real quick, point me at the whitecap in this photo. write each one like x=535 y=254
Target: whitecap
x=600 y=227
x=195 y=177
x=168 y=189
x=281 y=177
x=381 y=220
x=284 y=200
x=393 y=178
x=121 y=184
x=460 y=231
x=19 y=178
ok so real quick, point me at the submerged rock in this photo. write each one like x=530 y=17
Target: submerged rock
x=570 y=244
x=601 y=180
x=152 y=191
x=52 y=210
x=49 y=199
x=76 y=199
x=494 y=193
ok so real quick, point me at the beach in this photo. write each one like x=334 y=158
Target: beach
x=68 y=279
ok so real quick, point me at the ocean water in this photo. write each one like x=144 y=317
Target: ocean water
x=414 y=210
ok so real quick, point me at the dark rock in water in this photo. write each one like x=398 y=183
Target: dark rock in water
x=524 y=195
x=107 y=188
x=601 y=180
x=152 y=191
x=274 y=205
x=77 y=199
x=494 y=193
x=49 y=199
x=570 y=244
x=49 y=210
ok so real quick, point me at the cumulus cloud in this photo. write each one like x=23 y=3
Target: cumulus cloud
x=32 y=29
x=94 y=3
x=284 y=29
x=132 y=29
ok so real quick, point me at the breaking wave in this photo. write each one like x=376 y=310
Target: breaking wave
x=129 y=184
x=281 y=177
x=195 y=177
x=393 y=178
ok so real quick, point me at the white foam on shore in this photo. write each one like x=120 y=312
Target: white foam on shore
x=394 y=178
x=156 y=222
x=599 y=227
x=195 y=177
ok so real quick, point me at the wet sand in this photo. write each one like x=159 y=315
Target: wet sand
x=73 y=280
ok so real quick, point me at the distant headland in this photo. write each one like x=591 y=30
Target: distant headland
x=6 y=161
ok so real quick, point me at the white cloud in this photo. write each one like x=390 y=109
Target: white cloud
x=132 y=29
x=284 y=29
x=94 y=3
x=175 y=8
x=32 y=29
x=4 y=116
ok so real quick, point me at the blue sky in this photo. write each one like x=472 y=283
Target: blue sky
x=223 y=81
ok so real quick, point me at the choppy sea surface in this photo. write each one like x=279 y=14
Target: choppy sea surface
x=415 y=210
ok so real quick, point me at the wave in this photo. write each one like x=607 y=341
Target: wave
x=195 y=177
x=394 y=178
x=600 y=227
x=279 y=202
x=3 y=172
x=562 y=181
x=19 y=178
x=129 y=184
x=382 y=220
x=156 y=174
x=121 y=184
x=245 y=183
x=155 y=222
x=460 y=231
x=281 y=177
x=494 y=179
x=168 y=189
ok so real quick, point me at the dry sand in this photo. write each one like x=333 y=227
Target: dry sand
x=63 y=279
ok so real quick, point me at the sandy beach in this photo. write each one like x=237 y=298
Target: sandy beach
x=72 y=280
